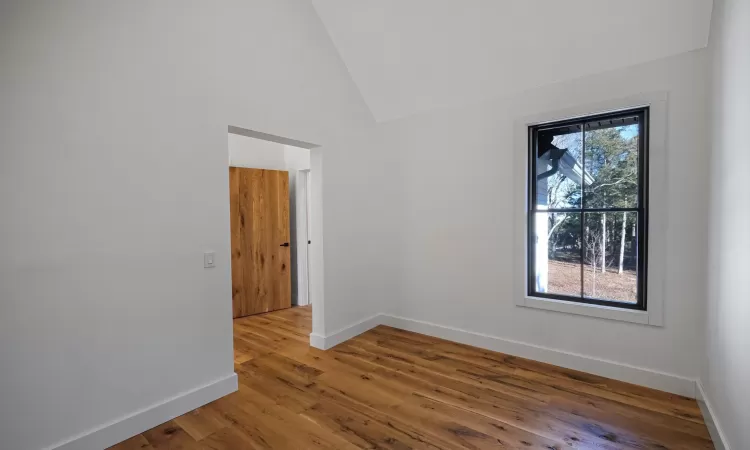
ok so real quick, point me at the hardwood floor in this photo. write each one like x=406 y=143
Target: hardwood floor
x=392 y=389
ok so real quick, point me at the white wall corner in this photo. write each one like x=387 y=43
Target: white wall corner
x=326 y=342
x=119 y=430
x=709 y=417
x=318 y=341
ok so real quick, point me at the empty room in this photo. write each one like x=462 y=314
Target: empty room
x=337 y=224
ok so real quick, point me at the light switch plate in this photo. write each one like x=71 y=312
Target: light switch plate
x=209 y=260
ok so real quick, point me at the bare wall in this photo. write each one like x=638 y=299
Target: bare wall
x=113 y=182
x=457 y=219
x=726 y=370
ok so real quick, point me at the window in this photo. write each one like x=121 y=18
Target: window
x=588 y=209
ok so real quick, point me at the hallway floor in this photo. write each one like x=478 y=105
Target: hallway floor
x=392 y=389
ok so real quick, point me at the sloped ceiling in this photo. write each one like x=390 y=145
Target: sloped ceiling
x=410 y=56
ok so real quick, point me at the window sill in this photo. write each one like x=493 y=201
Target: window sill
x=583 y=309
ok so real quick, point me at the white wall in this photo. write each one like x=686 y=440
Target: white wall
x=727 y=370
x=413 y=56
x=259 y=154
x=457 y=247
x=296 y=158
x=256 y=153
x=113 y=182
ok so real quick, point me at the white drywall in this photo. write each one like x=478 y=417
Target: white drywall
x=296 y=158
x=256 y=153
x=457 y=260
x=727 y=369
x=260 y=154
x=113 y=182
x=413 y=56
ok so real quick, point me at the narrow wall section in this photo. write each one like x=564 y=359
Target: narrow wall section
x=727 y=369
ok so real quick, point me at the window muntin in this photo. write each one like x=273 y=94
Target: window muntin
x=587 y=211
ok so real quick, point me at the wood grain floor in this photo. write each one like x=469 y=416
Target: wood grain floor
x=392 y=389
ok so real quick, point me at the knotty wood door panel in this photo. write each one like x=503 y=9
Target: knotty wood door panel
x=261 y=264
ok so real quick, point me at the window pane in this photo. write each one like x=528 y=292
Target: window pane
x=559 y=167
x=611 y=256
x=557 y=253
x=612 y=163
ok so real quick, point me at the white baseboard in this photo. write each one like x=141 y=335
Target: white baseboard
x=610 y=369
x=709 y=417
x=115 y=432
x=605 y=368
x=346 y=333
x=318 y=341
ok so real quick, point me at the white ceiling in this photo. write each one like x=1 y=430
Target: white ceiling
x=409 y=56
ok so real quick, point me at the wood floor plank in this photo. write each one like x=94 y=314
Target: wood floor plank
x=245 y=351
x=467 y=429
x=559 y=377
x=281 y=388
x=479 y=381
x=201 y=422
x=170 y=436
x=255 y=428
x=368 y=427
x=138 y=442
x=273 y=422
x=393 y=389
x=531 y=417
x=230 y=438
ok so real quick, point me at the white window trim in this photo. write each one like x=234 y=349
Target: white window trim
x=657 y=219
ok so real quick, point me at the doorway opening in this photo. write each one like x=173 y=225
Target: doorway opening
x=270 y=191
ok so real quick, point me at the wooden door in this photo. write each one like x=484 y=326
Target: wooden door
x=261 y=258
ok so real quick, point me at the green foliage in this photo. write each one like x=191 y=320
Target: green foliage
x=611 y=159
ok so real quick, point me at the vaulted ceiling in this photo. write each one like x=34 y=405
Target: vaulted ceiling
x=410 y=56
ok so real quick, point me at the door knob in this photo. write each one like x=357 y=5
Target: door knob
x=285 y=244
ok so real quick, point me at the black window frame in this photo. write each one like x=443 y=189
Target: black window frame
x=642 y=208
